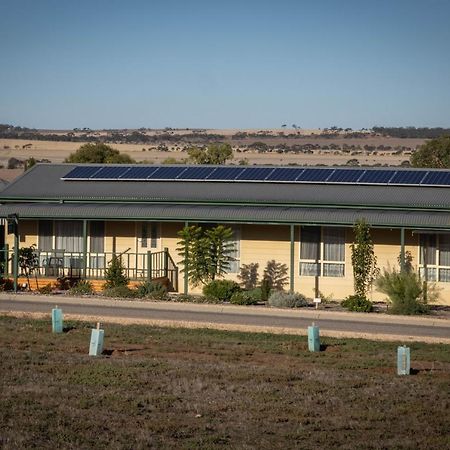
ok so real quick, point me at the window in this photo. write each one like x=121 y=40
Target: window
x=236 y=254
x=69 y=235
x=322 y=251
x=46 y=235
x=149 y=232
x=434 y=257
x=97 y=244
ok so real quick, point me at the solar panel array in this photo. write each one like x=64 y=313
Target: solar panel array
x=260 y=174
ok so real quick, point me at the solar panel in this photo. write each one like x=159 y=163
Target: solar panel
x=320 y=175
x=407 y=177
x=166 y=173
x=437 y=178
x=196 y=173
x=345 y=176
x=138 y=173
x=82 y=172
x=225 y=173
x=376 y=176
x=284 y=174
x=110 y=172
x=255 y=173
x=260 y=174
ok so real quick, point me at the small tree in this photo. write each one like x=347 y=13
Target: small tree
x=206 y=254
x=248 y=275
x=115 y=273
x=276 y=275
x=364 y=261
x=28 y=262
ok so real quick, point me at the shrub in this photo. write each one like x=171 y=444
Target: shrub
x=406 y=292
x=6 y=284
x=280 y=299
x=120 y=292
x=81 y=287
x=243 y=298
x=221 y=290
x=357 y=303
x=255 y=293
x=248 y=275
x=151 y=289
x=115 y=273
x=265 y=290
x=47 y=289
x=276 y=275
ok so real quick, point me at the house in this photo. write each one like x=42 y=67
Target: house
x=78 y=216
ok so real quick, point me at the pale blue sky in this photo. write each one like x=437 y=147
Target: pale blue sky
x=227 y=64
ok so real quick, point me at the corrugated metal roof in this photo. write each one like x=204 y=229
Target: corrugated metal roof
x=256 y=214
x=44 y=182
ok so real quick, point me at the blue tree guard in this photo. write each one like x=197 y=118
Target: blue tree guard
x=57 y=320
x=96 y=346
x=313 y=339
x=403 y=360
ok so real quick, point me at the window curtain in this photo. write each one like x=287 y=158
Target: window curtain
x=428 y=249
x=444 y=249
x=235 y=254
x=97 y=237
x=46 y=235
x=334 y=244
x=154 y=235
x=310 y=243
x=69 y=235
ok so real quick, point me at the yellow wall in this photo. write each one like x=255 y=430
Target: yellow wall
x=259 y=244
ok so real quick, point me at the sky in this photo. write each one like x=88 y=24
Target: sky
x=224 y=64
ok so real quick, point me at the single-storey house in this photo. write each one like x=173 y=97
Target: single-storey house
x=78 y=216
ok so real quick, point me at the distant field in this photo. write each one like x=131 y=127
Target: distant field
x=57 y=151
x=169 y=388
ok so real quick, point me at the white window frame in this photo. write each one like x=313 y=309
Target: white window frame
x=139 y=233
x=433 y=270
x=321 y=262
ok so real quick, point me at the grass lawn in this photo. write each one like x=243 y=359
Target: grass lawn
x=196 y=388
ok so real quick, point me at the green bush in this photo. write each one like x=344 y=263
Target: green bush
x=120 y=292
x=255 y=293
x=82 y=287
x=220 y=290
x=243 y=298
x=280 y=299
x=115 y=273
x=406 y=292
x=265 y=290
x=357 y=303
x=151 y=289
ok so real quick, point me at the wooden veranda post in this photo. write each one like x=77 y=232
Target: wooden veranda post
x=292 y=268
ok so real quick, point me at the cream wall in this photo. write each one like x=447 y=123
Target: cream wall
x=259 y=244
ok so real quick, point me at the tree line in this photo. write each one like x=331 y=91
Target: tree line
x=412 y=132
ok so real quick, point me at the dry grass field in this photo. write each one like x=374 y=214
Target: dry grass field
x=168 y=388
x=57 y=151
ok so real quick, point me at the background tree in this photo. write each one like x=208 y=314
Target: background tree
x=98 y=154
x=206 y=254
x=364 y=261
x=212 y=154
x=433 y=154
